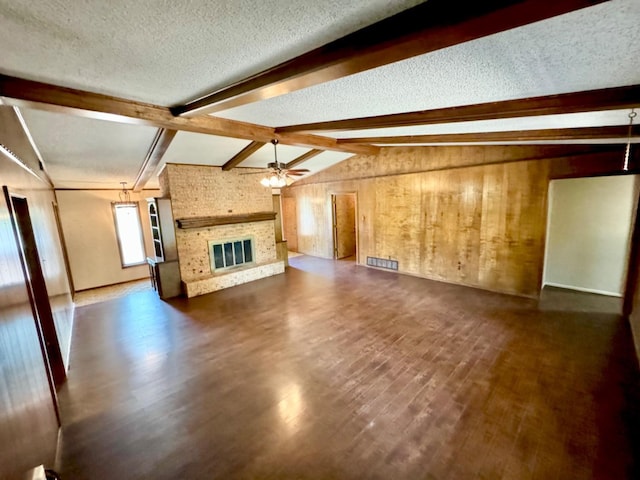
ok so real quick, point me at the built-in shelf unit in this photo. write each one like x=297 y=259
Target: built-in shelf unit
x=163 y=266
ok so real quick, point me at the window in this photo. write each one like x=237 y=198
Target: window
x=129 y=233
x=230 y=253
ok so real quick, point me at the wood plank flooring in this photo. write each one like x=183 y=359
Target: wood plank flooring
x=111 y=292
x=334 y=371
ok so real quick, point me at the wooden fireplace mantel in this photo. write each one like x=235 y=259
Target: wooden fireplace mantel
x=202 y=222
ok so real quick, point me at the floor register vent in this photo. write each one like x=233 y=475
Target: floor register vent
x=382 y=263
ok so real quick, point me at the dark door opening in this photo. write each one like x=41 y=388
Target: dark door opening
x=37 y=289
x=344 y=226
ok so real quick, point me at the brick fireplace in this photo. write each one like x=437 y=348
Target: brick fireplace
x=212 y=205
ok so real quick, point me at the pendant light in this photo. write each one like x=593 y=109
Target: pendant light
x=124 y=195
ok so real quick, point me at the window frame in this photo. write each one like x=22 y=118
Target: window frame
x=114 y=206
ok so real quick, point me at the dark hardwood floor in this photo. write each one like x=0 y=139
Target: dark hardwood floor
x=334 y=371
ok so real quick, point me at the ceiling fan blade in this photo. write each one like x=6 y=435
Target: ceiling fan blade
x=299 y=170
x=294 y=174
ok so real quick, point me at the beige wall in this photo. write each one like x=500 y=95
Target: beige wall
x=481 y=226
x=632 y=287
x=200 y=191
x=588 y=233
x=89 y=230
x=28 y=425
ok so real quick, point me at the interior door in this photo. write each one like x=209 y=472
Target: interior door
x=39 y=297
x=344 y=225
x=290 y=223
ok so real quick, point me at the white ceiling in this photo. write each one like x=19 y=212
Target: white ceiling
x=85 y=153
x=200 y=149
x=324 y=160
x=170 y=54
x=597 y=47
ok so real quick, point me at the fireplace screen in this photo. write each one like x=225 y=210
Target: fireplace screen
x=230 y=253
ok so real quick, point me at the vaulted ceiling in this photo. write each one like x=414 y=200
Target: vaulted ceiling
x=438 y=61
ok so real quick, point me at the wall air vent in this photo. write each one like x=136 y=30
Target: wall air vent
x=382 y=263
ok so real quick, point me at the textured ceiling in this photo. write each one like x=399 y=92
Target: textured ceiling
x=211 y=150
x=83 y=153
x=169 y=52
x=597 y=47
x=324 y=160
x=200 y=149
x=265 y=155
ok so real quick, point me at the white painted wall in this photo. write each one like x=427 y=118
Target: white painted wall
x=588 y=233
x=90 y=234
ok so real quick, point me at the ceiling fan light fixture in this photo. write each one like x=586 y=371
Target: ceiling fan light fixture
x=274 y=180
x=277 y=178
x=278 y=175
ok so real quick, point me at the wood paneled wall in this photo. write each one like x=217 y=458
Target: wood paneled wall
x=28 y=425
x=468 y=215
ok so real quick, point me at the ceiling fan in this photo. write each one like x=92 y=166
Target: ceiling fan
x=276 y=173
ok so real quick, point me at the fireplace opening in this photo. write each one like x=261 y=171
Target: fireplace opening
x=228 y=254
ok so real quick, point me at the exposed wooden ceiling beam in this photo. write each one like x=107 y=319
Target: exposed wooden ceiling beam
x=613 y=154
x=159 y=146
x=585 y=101
x=29 y=94
x=588 y=133
x=303 y=158
x=431 y=26
x=241 y=156
x=324 y=143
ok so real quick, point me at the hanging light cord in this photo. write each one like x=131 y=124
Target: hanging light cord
x=627 y=153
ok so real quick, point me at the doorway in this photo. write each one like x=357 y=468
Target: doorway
x=290 y=223
x=343 y=208
x=588 y=237
x=37 y=289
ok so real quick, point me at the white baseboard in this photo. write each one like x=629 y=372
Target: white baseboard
x=581 y=289
x=67 y=354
